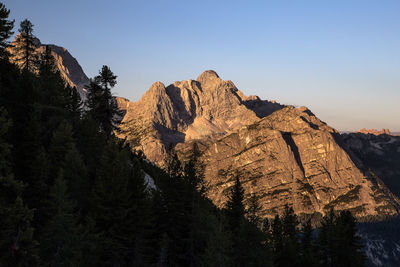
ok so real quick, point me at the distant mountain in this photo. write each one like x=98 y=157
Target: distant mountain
x=283 y=155
x=379 y=153
x=374 y=131
x=68 y=66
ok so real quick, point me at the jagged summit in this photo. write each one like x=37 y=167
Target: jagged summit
x=192 y=109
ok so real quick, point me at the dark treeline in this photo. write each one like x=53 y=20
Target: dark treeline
x=73 y=194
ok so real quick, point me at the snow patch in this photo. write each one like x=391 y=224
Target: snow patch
x=149 y=181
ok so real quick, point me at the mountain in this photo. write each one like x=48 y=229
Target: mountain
x=380 y=153
x=204 y=108
x=374 y=131
x=283 y=155
x=68 y=66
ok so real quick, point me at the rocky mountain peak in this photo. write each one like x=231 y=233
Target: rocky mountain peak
x=209 y=79
x=156 y=90
x=207 y=75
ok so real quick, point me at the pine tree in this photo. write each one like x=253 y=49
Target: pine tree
x=52 y=85
x=74 y=105
x=219 y=245
x=235 y=215
x=6 y=27
x=325 y=239
x=234 y=207
x=25 y=55
x=176 y=218
x=102 y=105
x=253 y=211
x=193 y=191
x=76 y=176
x=194 y=171
x=290 y=241
x=118 y=199
x=309 y=257
x=17 y=245
x=62 y=142
x=60 y=241
x=277 y=242
x=347 y=245
x=174 y=166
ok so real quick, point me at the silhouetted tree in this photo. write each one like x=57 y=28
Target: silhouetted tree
x=234 y=207
x=252 y=212
x=17 y=245
x=347 y=249
x=60 y=240
x=102 y=105
x=6 y=27
x=118 y=199
x=219 y=246
x=309 y=257
x=25 y=55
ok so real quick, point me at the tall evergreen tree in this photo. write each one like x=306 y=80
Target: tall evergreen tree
x=62 y=142
x=234 y=207
x=309 y=257
x=235 y=212
x=6 y=27
x=60 y=240
x=118 y=199
x=285 y=239
x=25 y=55
x=219 y=245
x=76 y=176
x=102 y=105
x=74 y=105
x=252 y=212
x=325 y=239
x=347 y=245
x=17 y=245
x=193 y=179
x=277 y=240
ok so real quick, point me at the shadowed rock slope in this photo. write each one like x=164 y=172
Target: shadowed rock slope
x=68 y=66
x=283 y=155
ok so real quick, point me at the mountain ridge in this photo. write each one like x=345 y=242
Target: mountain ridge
x=284 y=155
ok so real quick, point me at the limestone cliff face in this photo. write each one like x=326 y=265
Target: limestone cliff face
x=68 y=66
x=208 y=107
x=284 y=155
x=291 y=157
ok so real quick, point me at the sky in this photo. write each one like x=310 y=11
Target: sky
x=339 y=58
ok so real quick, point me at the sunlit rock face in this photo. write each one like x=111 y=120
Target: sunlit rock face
x=208 y=107
x=291 y=157
x=68 y=66
x=283 y=155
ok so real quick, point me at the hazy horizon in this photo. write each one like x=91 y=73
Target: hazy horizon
x=340 y=59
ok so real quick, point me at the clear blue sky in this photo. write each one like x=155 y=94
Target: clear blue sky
x=339 y=58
